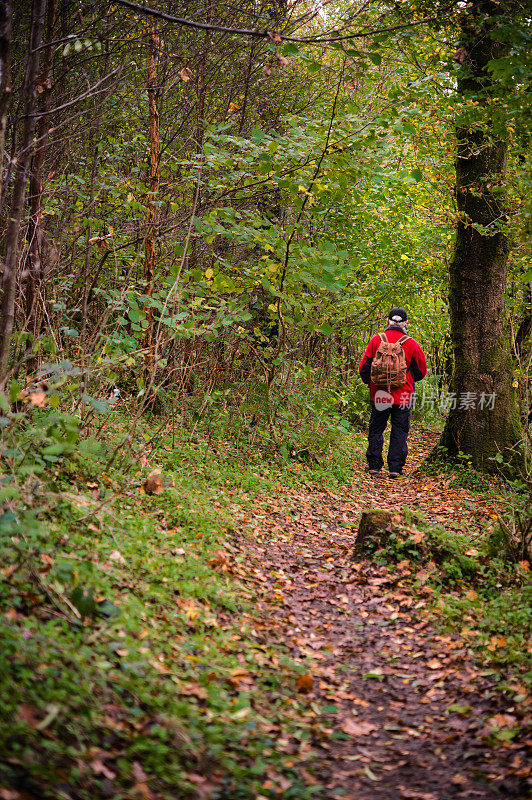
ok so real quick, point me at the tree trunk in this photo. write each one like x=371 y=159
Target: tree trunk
x=35 y=230
x=5 y=77
x=485 y=420
x=151 y=217
x=9 y=282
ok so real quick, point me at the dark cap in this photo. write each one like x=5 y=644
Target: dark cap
x=397 y=314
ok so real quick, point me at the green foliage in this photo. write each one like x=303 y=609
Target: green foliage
x=129 y=592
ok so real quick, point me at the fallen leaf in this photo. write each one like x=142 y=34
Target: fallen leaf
x=371 y=775
x=29 y=714
x=496 y=642
x=161 y=668
x=38 y=398
x=220 y=559
x=138 y=772
x=502 y=721
x=152 y=484
x=459 y=780
x=116 y=555
x=410 y=794
x=354 y=728
x=185 y=74
x=304 y=682
x=100 y=769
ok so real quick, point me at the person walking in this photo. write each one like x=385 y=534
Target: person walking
x=391 y=365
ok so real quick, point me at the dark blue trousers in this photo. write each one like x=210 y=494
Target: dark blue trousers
x=398 y=450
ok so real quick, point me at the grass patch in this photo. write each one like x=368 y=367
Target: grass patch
x=132 y=659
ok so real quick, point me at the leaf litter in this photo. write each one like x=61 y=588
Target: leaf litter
x=401 y=709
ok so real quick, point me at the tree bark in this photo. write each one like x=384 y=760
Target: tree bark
x=5 y=77
x=485 y=420
x=151 y=217
x=9 y=282
x=35 y=228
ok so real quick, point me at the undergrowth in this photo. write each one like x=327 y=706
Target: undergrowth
x=481 y=595
x=131 y=655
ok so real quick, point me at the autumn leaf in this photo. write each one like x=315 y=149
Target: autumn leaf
x=160 y=667
x=141 y=785
x=99 y=768
x=304 y=682
x=220 y=559
x=185 y=74
x=37 y=398
x=354 y=728
x=502 y=721
x=29 y=714
x=152 y=484
x=496 y=642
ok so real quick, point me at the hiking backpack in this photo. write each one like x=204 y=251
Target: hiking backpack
x=389 y=368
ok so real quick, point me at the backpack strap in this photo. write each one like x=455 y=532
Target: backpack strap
x=403 y=339
x=384 y=338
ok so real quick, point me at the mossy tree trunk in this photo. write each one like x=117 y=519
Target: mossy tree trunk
x=485 y=420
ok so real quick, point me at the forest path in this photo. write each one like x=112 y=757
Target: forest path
x=410 y=705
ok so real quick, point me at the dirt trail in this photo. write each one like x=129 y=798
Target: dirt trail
x=411 y=704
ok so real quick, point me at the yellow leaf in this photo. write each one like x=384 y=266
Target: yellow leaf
x=209 y=273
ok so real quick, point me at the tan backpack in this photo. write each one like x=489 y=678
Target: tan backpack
x=389 y=368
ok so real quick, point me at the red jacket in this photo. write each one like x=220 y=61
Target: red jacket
x=415 y=361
